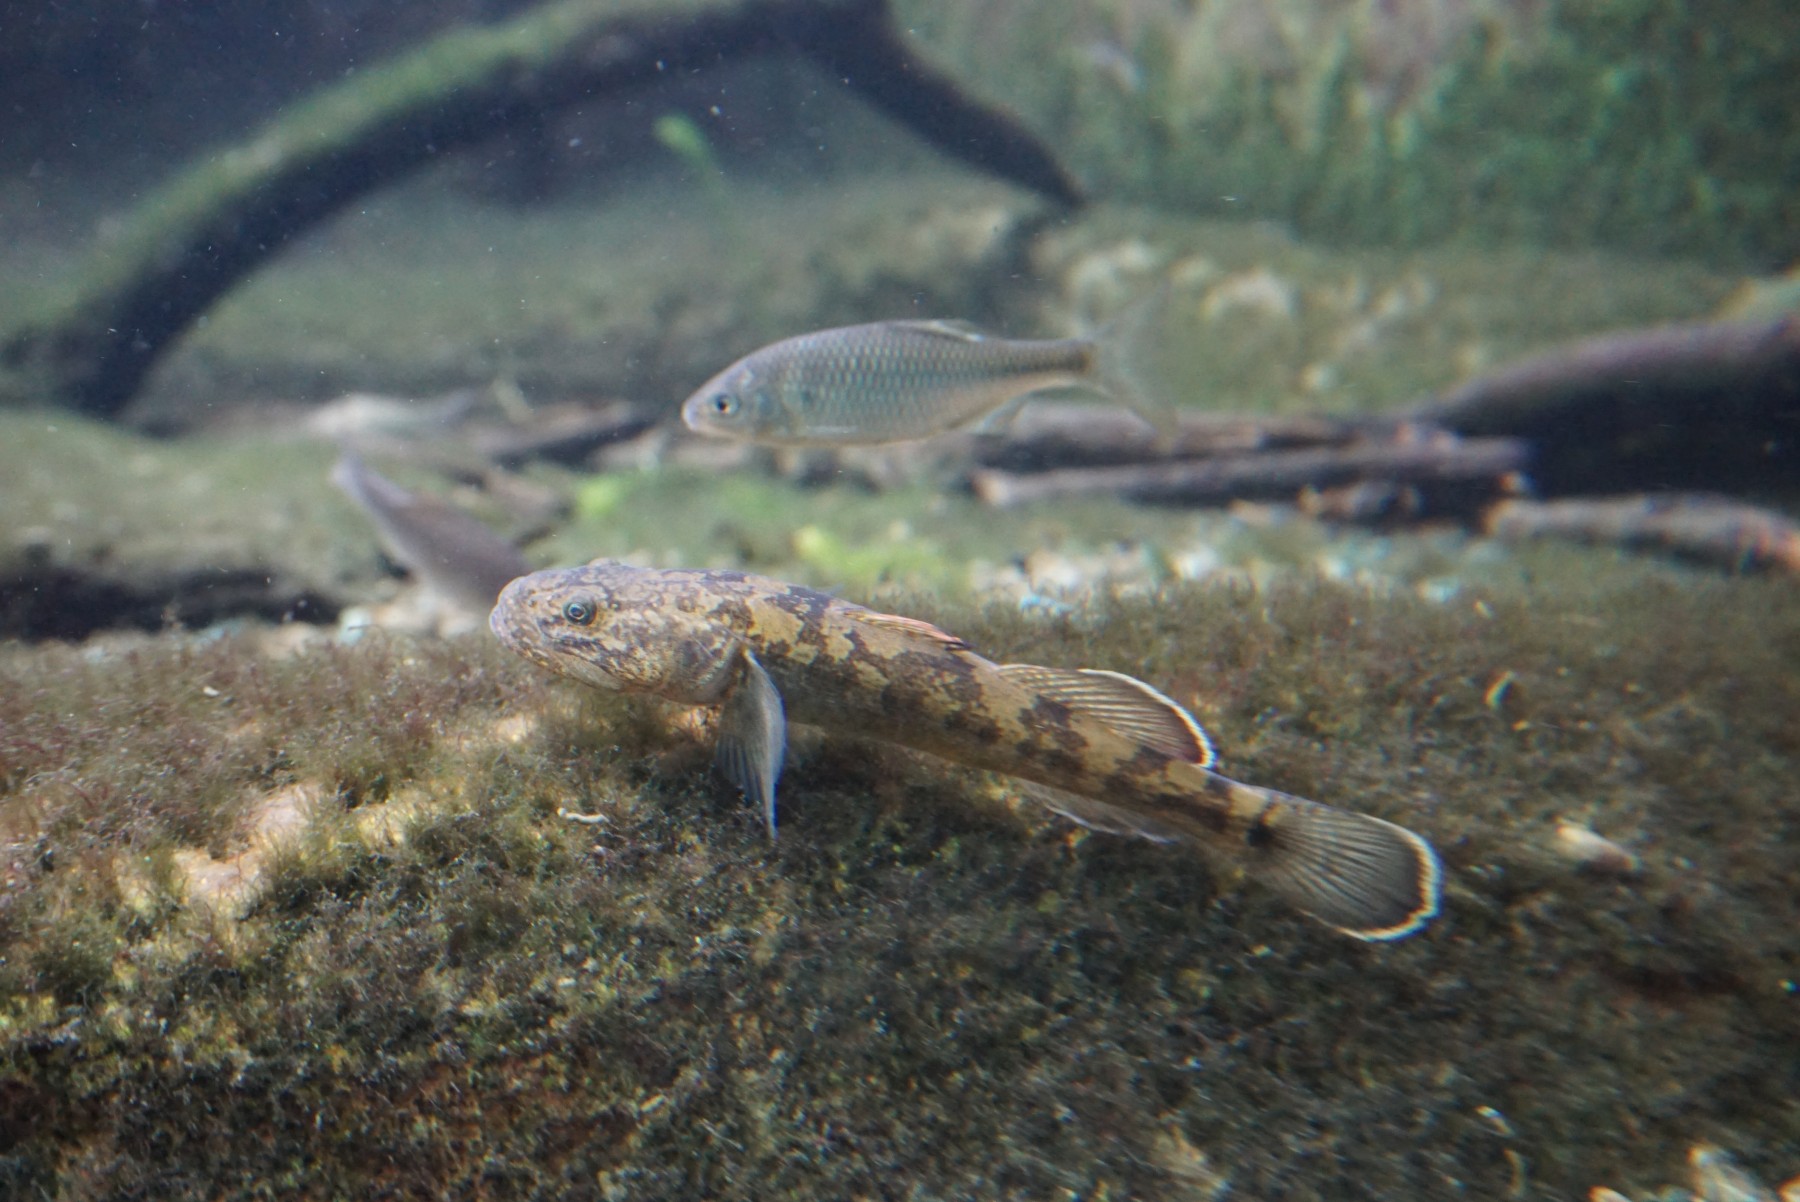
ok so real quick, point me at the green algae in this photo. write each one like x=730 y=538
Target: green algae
x=923 y=989
x=913 y=538
x=79 y=492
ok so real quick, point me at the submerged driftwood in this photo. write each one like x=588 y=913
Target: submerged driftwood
x=1467 y=471
x=218 y=220
x=1075 y=434
x=570 y=435
x=1662 y=416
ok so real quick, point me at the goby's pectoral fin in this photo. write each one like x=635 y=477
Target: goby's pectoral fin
x=753 y=737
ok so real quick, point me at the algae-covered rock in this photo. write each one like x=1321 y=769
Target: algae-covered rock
x=109 y=529
x=441 y=985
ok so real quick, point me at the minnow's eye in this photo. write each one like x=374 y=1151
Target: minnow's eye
x=723 y=404
x=579 y=611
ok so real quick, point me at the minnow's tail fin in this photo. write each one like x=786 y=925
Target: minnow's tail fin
x=1120 y=346
x=1368 y=878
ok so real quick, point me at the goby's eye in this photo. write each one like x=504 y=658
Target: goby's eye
x=579 y=611
x=724 y=404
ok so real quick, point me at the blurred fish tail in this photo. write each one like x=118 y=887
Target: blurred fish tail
x=1121 y=347
x=453 y=553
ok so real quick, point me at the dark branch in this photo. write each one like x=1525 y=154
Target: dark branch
x=1476 y=467
x=219 y=220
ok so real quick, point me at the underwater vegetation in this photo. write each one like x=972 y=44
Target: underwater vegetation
x=1660 y=125
x=440 y=985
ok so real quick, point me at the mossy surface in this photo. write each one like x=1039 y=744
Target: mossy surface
x=648 y=296
x=77 y=491
x=922 y=989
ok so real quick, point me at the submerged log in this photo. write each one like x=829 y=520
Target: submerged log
x=857 y=43
x=1450 y=475
x=1699 y=406
x=1706 y=406
x=220 y=219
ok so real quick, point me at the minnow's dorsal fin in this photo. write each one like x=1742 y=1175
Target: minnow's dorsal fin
x=1097 y=815
x=753 y=737
x=946 y=327
x=1125 y=703
x=905 y=625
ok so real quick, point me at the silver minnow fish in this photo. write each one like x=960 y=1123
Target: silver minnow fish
x=455 y=556
x=1102 y=748
x=897 y=380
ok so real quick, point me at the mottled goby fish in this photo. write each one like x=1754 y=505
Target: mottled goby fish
x=896 y=380
x=1104 y=749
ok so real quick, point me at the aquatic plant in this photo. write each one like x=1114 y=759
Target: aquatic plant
x=1414 y=121
x=683 y=138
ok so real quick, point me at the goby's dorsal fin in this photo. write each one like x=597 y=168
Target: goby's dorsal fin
x=1124 y=703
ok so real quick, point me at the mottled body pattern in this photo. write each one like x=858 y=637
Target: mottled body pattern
x=1102 y=748
x=892 y=380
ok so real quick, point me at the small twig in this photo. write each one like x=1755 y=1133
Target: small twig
x=585 y=819
x=1707 y=528
x=567 y=437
